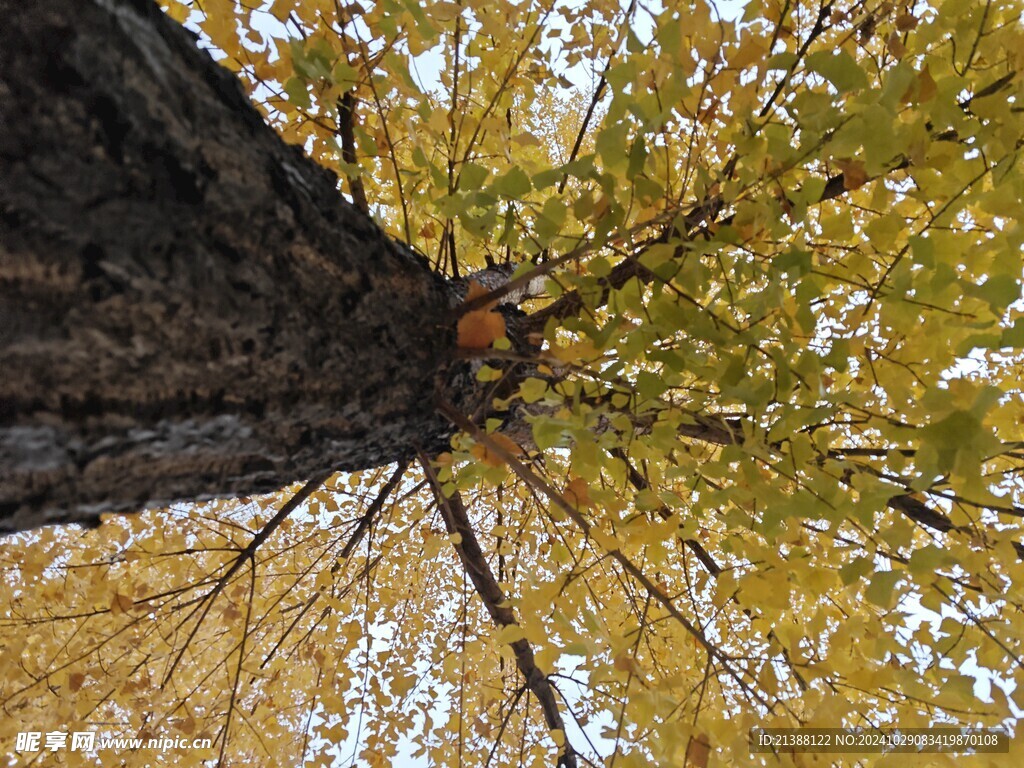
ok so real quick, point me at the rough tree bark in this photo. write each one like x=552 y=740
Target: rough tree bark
x=188 y=307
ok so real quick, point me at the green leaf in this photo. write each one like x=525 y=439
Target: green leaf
x=881 y=589
x=794 y=262
x=611 y=144
x=998 y=291
x=515 y=184
x=548 y=178
x=1014 y=335
x=784 y=60
x=838 y=68
x=855 y=569
x=637 y=158
x=622 y=74
x=551 y=218
x=298 y=93
x=928 y=559
x=472 y=176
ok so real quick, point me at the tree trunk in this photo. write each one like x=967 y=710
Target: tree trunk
x=188 y=307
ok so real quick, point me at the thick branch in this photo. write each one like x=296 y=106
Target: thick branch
x=346 y=120
x=457 y=523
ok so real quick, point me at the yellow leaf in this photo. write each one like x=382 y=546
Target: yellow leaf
x=445 y=11
x=526 y=140
x=752 y=50
x=177 y=11
x=607 y=542
x=510 y=633
x=402 y=684
x=576 y=353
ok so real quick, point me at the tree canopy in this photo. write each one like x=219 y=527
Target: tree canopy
x=758 y=462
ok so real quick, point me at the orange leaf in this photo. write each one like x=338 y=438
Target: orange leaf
x=479 y=328
x=577 y=492
x=926 y=86
x=905 y=22
x=120 y=603
x=895 y=46
x=491 y=457
x=475 y=291
x=854 y=175
x=697 y=751
x=600 y=208
x=626 y=663
x=922 y=89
